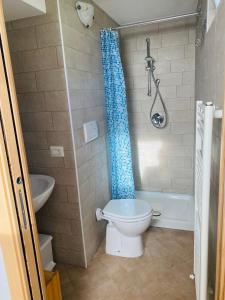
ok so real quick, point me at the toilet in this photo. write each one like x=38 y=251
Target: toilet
x=127 y=220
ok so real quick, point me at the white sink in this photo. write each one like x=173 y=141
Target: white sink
x=42 y=187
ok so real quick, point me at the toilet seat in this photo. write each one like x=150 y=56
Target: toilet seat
x=127 y=210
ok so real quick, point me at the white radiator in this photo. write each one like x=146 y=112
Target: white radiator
x=205 y=113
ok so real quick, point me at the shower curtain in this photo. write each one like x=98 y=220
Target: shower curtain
x=118 y=136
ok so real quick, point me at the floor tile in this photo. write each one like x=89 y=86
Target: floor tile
x=162 y=273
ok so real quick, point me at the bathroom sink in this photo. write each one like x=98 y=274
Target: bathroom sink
x=42 y=187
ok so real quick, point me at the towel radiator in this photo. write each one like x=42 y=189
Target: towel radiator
x=205 y=112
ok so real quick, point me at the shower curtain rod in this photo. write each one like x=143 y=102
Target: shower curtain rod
x=193 y=14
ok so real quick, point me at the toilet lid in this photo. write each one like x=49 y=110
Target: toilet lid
x=127 y=209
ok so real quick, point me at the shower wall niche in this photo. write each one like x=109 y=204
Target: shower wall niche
x=163 y=158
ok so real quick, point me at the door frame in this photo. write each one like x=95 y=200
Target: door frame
x=220 y=260
x=19 y=239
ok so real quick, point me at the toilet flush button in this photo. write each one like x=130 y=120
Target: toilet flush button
x=90 y=131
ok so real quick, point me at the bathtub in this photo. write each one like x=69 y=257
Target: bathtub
x=177 y=210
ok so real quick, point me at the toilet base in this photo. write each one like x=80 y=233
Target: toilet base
x=120 y=245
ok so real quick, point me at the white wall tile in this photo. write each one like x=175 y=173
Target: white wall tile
x=190 y=51
x=174 y=37
x=185 y=91
x=182 y=65
x=171 y=53
x=170 y=79
x=188 y=78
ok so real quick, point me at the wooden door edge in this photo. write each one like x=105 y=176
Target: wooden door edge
x=220 y=260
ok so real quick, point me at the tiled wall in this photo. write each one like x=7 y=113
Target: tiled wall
x=36 y=53
x=163 y=158
x=85 y=92
x=210 y=87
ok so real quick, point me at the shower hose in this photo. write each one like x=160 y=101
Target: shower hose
x=158 y=120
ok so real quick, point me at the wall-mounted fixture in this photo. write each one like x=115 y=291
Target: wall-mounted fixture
x=158 y=120
x=85 y=12
x=56 y=151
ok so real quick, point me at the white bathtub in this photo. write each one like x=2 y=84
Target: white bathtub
x=177 y=209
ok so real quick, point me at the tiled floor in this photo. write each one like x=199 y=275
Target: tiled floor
x=161 y=274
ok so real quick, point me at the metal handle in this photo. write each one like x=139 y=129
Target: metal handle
x=22 y=209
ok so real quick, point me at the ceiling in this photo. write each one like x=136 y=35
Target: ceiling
x=129 y=11
x=19 y=9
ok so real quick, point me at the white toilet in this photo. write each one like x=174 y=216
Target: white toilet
x=127 y=220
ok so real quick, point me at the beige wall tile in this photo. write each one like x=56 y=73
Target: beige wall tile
x=182 y=116
x=55 y=225
x=42 y=158
x=172 y=147
x=188 y=78
x=60 y=138
x=156 y=41
x=170 y=79
x=23 y=39
x=56 y=101
x=72 y=194
x=69 y=241
x=69 y=256
x=185 y=91
x=75 y=39
x=48 y=35
x=64 y=210
x=190 y=50
x=31 y=102
x=60 y=57
x=192 y=35
x=17 y=61
x=40 y=121
x=139 y=69
x=69 y=159
x=50 y=80
x=59 y=194
x=40 y=59
x=182 y=65
x=25 y=82
x=64 y=177
x=182 y=128
x=130 y=44
x=35 y=140
x=175 y=37
x=168 y=92
x=178 y=104
x=171 y=53
x=162 y=67
x=60 y=121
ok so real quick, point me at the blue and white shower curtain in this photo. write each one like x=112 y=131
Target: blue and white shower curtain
x=120 y=157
